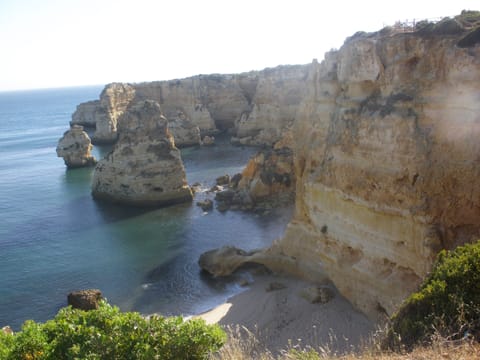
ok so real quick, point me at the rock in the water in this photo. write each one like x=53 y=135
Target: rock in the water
x=317 y=294
x=74 y=147
x=7 y=330
x=184 y=131
x=223 y=180
x=223 y=261
x=145 y=167
x=208 y=140
x=206 y=205
x=85 y=299
x=226 y=260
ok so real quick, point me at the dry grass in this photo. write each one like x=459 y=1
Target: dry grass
x=243 y=345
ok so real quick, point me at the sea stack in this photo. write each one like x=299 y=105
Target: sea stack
x=74 y=147
x=144 y=167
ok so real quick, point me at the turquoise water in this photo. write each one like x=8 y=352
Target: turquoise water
x=54 y=238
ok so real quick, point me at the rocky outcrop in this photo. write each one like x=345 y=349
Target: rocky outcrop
x=267 y=181
x=74 y=147
x=274 y=105
x=255 y=107
x=114 y=101
x=84 y=115
x=228 y=259
x=85 y=299
x=144 y=167
x=387 y=161
x=184 y=131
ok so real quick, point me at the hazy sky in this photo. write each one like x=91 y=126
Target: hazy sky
x=51 y=43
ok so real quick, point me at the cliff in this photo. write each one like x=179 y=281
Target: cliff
x=388 y=161
x=144 y=167
x=254 y=107
x=385 y=151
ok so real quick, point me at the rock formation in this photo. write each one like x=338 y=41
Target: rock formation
x=268 y=179
x=184 y=131
x=114 y=101
x=387 y=161
x=385 y=154
x=226 y=260
x=144 y=167
x=74 y=147
x=274 y=105
x=256 y=107
x=84 y=115
x=85 y=299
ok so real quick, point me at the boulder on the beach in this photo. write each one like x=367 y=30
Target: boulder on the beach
x=85 y=299
x=317 y=294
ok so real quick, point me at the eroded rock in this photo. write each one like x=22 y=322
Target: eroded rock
x=144 y=167
x=385 y=143
x=317 y=294
x=75 y=148
x=206 y=204
x=226 y=260
x=85 y=299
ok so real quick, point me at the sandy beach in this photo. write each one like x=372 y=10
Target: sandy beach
x=280 y=317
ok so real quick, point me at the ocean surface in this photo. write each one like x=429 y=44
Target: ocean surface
x=54 y=238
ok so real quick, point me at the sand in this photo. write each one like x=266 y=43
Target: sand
x=282 y=318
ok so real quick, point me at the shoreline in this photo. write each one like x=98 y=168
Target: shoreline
x=273 y=310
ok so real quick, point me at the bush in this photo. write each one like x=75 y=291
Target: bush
x=107 y=333
x=448 y=302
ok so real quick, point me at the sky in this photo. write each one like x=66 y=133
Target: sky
x=56 y=43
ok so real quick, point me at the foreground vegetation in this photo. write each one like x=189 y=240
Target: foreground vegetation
x=107 y=333
x=441 y=320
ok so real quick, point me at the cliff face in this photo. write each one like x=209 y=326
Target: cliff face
x=387 y=162
x=256 y=106
x=274 y=105
x=144 y=167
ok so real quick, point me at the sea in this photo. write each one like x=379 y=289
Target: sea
x=55 y=238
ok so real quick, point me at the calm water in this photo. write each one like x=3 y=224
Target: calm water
x=54 y=238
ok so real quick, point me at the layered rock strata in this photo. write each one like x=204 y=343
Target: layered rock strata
x=75 y=148
x=144 y=167
x=255 y=107
x=84 y=114
x=388 y=161
x=114 y=101
x=274 y=105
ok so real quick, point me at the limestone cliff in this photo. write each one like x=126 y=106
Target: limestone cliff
x=387 y=161
x=114 y=101
x=74 y=147
x=84 y=115
x=256 y=107
x=278 y=93
x=144 y=167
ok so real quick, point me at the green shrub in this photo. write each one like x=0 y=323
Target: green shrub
x=448 y=302
x=107 y=333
